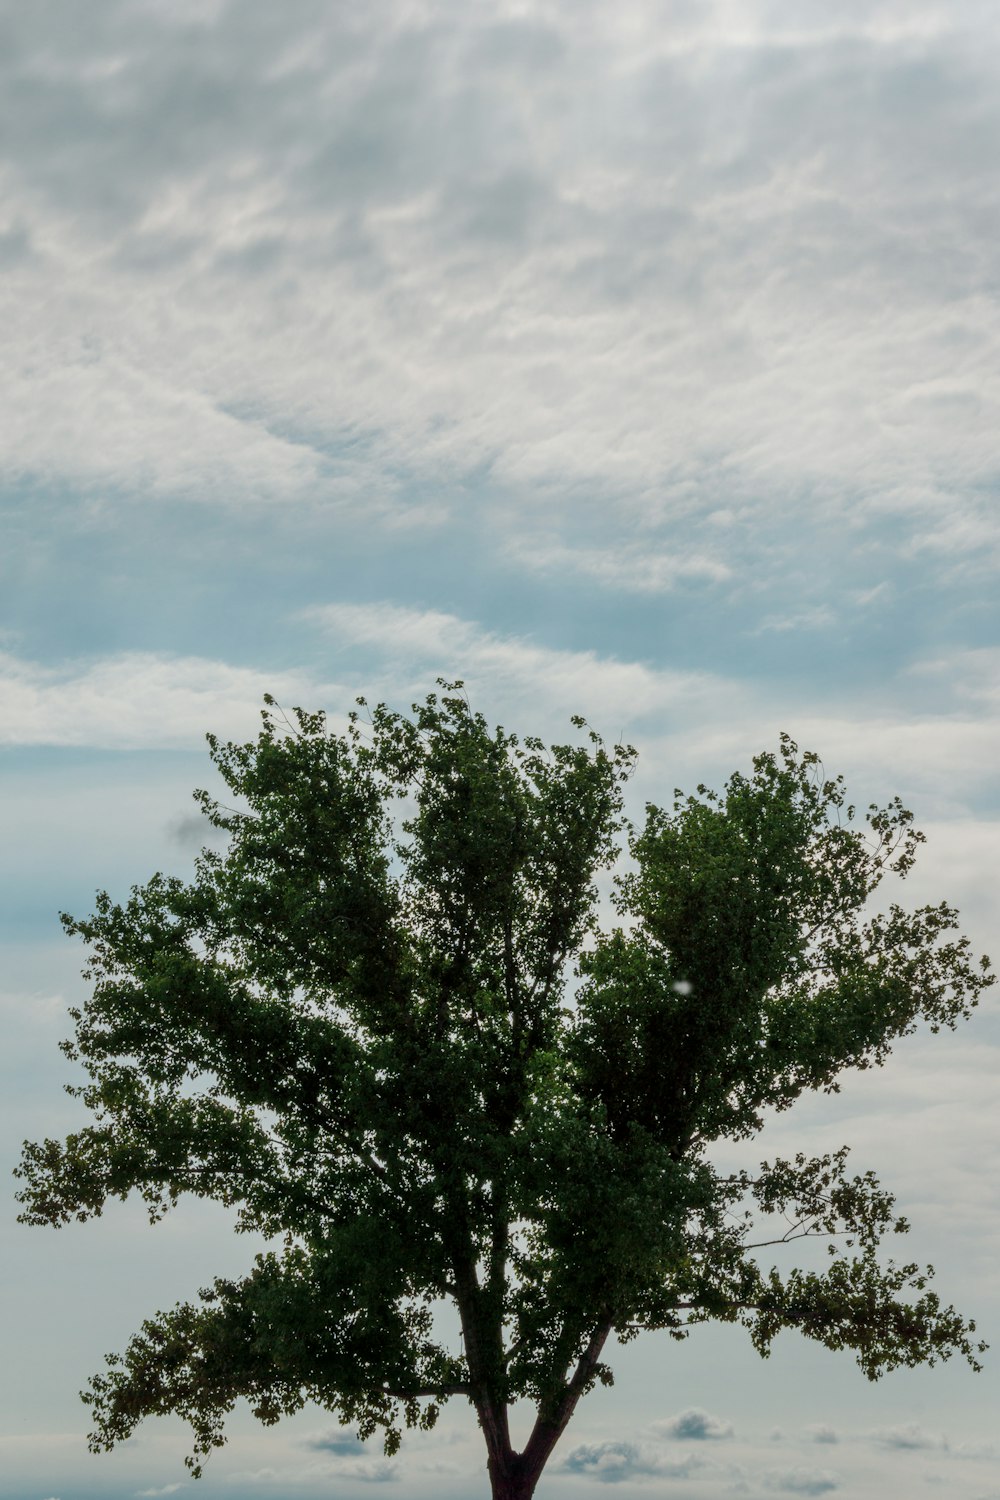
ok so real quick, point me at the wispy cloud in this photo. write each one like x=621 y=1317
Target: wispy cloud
x=940 y=756
x=819 y=618
x=367 y=1471
x=801 y=1481
x=135 y=700
x=900 y=739
x=908 y=1437
x=314 y=1476
x=509 y=666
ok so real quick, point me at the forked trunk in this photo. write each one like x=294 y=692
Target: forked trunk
x=513 y=1476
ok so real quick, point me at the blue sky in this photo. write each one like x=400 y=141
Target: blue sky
x=638 y=360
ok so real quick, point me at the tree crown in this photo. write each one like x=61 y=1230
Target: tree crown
x=353 y=1026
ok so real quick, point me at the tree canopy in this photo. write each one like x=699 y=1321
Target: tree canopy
x=384 y=1026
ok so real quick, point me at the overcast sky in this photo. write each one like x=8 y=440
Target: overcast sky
x=639 y=360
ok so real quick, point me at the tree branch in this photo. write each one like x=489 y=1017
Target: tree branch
x=547 y=1431
x=436 y=1392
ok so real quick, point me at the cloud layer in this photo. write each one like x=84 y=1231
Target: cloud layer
x=730 y=271
x=929 y=732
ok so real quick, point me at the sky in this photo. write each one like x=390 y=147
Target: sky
x=640 y=361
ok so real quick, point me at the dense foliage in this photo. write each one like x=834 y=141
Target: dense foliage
x=355 y=1027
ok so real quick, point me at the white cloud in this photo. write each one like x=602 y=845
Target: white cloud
x=694 y=725
x=136 y=700
x=690 y=725
x=516 y=670
x=112 y=422
x=649 y=566
x=680 y=262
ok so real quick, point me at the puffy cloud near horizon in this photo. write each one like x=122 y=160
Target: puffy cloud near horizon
x=694 y=1425
x=341 y=1441
x=617 y=1462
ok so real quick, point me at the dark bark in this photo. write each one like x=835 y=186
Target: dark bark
x=483 y=1354
x=512 y=1486
x=513 y=1476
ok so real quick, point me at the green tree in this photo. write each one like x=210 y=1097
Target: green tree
x=353 y=1027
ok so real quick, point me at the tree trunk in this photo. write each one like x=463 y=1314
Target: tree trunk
x=513 y=1489
x=513 y=1485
